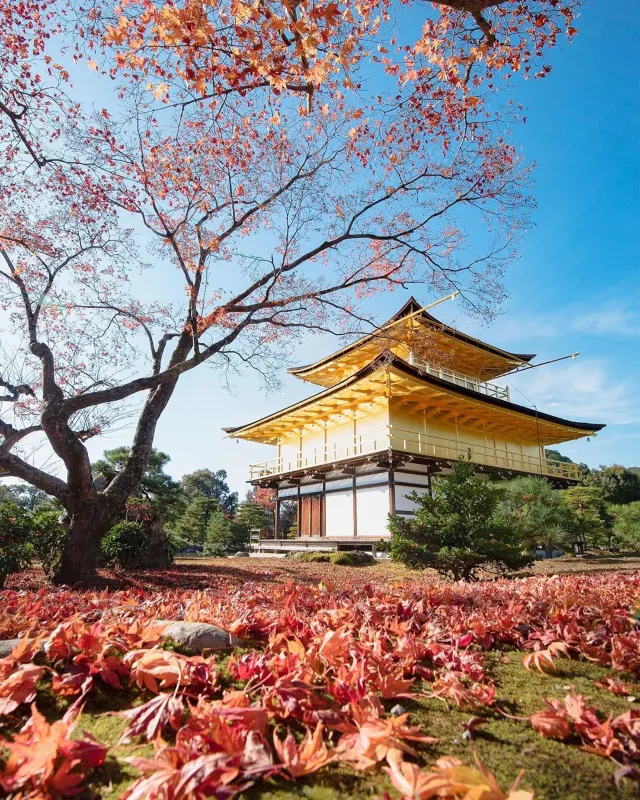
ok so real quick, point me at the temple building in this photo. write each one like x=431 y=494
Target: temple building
x=396 y=408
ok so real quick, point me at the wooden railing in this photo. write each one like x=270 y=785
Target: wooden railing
x=415 y=443
x=490 y=389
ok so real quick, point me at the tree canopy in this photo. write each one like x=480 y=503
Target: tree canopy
x=156 y=487
x=538 y=513
x=205 y=483
x=618 y=484
x=626 y=525
x=592 y=517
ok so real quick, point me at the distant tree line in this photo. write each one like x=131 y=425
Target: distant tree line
x=608 y=501
x=198 y=512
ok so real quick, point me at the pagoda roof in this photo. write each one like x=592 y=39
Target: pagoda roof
x=391 y=376
x=481 y=360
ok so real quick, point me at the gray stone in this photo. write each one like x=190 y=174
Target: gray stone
x=398 y=710
x=199 y=636
x=7 y=645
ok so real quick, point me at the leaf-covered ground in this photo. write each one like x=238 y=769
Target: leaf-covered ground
x=196 y=572
x=350 y=683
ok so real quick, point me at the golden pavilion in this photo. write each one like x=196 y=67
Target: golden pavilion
x=395 y=408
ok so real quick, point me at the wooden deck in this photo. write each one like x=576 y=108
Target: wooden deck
x=279 y=548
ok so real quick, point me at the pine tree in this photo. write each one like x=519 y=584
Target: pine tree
x=192 y=525
x=224 y=535
x=538 y=513
x=458 y=530
x=594 y=523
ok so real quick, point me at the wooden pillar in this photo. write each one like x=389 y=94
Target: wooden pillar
x=325 y=456
x=429 y=487
x=298 y=513
x=355 y=507
x=485 y=454
x=276 y=521
x=392 y=489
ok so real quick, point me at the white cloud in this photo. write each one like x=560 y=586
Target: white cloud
x=617 y=316
x=580 y=390
x=622 y=321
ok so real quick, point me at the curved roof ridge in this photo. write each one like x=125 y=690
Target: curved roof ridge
x=413 y=307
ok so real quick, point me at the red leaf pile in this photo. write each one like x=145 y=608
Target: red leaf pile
x=318 y=661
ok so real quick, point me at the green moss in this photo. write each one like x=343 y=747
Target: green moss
x=334 y=782
x=312 y=557
x=173 y=647
x=354 y=558
x=342 y=558
x=555 y=770
x=99 y=720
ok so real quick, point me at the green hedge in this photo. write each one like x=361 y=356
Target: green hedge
x=15 y=551
x=126 y=545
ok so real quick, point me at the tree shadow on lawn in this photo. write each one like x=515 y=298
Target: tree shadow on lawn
x=224 y=574
x=176 y=576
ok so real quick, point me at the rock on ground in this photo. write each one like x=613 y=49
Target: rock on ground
x=199 y=636
x=7 y=645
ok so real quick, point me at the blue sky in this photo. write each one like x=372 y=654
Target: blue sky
x=576 y=286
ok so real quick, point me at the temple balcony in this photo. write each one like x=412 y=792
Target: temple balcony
x=466 y=381
x=417 y=444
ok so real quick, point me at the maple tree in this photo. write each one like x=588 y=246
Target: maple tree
x=280 y=163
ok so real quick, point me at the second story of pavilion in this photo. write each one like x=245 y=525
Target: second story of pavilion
x=414 y=387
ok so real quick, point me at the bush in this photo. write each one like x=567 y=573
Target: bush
x=214 y=550
x=126 y=545
x=352 y=558
x=343 y=558
x=48 y=538
x=457 y=531
x=15 y=551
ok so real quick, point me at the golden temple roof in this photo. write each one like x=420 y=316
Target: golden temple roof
x=390 y=376
x=414 y=330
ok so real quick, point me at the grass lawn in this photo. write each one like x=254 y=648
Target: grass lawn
x=381 y=608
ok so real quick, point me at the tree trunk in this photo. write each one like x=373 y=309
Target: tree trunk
x=159 y=554
x=88 y=526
